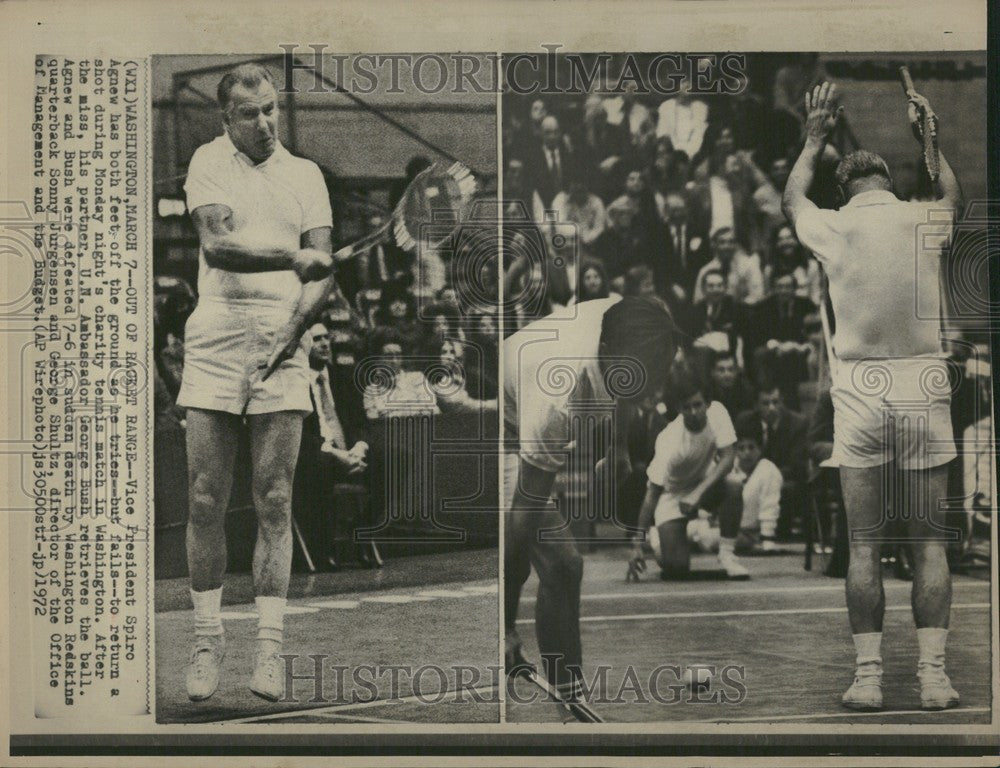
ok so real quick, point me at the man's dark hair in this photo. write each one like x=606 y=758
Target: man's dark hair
x=723 y=354
x=642 y=328
x=248 y=75
x=708 y=273
x=683 y=384
x=748 y=427
x=859 y=165
x=766 y=384
x=634 y=277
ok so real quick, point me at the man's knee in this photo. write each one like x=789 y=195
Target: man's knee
x=562 y=566
x=273 y=502
x=205 y=501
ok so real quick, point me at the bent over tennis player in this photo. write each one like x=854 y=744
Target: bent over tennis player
x=264 y=225
x=892 y=426
x=558 y=370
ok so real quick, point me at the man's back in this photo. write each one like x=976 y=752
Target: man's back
x=883 y=262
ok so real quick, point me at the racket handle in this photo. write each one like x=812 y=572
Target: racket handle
x=908 y=88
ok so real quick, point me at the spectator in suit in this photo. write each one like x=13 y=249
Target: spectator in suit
x=778 y=345
x=728 y=385
x=785 y=434
x=603 y=146
x=744 y=281
x=623 y=244
x=716 y=313
x=334 y=449
x=684 y=255
x=549 y=161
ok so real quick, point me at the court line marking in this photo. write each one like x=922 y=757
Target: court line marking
x=744 y=591
x=348 y=706
x=722 y=614
x=883 y=713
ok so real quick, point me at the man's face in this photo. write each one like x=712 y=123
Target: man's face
x=784 y=288
x=725 y=246
x=732 y=168
x=592 y=281
x=449 y=352
x=538 y=111
x=634 y=184
x=769 y=406
x=786 y=242
x=677 y=210
x=747 y=454
x=321 y=353
x=724 y=373
x=551 y=133
x=448 y=296
x=252 y=120
x=725 y=143
x=694 y=411
x=715 y=287
x=398 y=309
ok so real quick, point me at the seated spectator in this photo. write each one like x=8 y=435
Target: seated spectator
x=549 y=162
x=334 y=449
x=482 y=371
x=449 y=383
x=728 y=385
x=744 y=281
x=788 y=256
x=777 y=338
x=593 y=282
x=519 y=197
x=685 y=252
x=397 y=311
x=440 y=322
x=683 y=119
x=603 y=147
x=758 y=483
x=785 y=444
x=623 y=244
x=716 y=319
x=585 y=210
x=646 y=215
x=391 y=390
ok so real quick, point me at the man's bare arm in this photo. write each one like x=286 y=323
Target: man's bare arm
x=727 y=457
x=224 y=249
x=646 y=510
x=948 y=186
x=312 y=301
x=821 y=119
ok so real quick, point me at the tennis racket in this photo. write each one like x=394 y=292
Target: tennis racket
x=928 y=123
x=432 y=206
x=579 y=709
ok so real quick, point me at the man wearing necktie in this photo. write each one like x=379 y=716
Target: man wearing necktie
x=333 y=447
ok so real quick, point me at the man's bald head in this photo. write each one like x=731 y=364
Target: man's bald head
x=551 y=132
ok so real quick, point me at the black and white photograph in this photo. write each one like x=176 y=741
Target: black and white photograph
x=325 y=402
x=747 y=388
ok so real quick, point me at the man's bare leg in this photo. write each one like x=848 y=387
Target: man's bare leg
x=865 y=499
x=931 y=596
x=674 y=557
x=274 y=441
x=211 y=450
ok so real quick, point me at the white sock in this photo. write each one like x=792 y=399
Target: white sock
x=270 y=618
x=931 y=641
x=726 y=546
x=868 y=646
x=207 y=612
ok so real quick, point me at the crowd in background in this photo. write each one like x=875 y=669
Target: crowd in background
x=679 y=197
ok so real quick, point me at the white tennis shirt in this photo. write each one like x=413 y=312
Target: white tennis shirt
x=273 y=204
x=551 y=366
x=883 y=259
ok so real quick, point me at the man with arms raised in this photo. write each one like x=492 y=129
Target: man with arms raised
x=884 y=286
x=264 y=222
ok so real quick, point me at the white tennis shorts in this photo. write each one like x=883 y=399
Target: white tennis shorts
x=892 y=409
x=225 y=343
